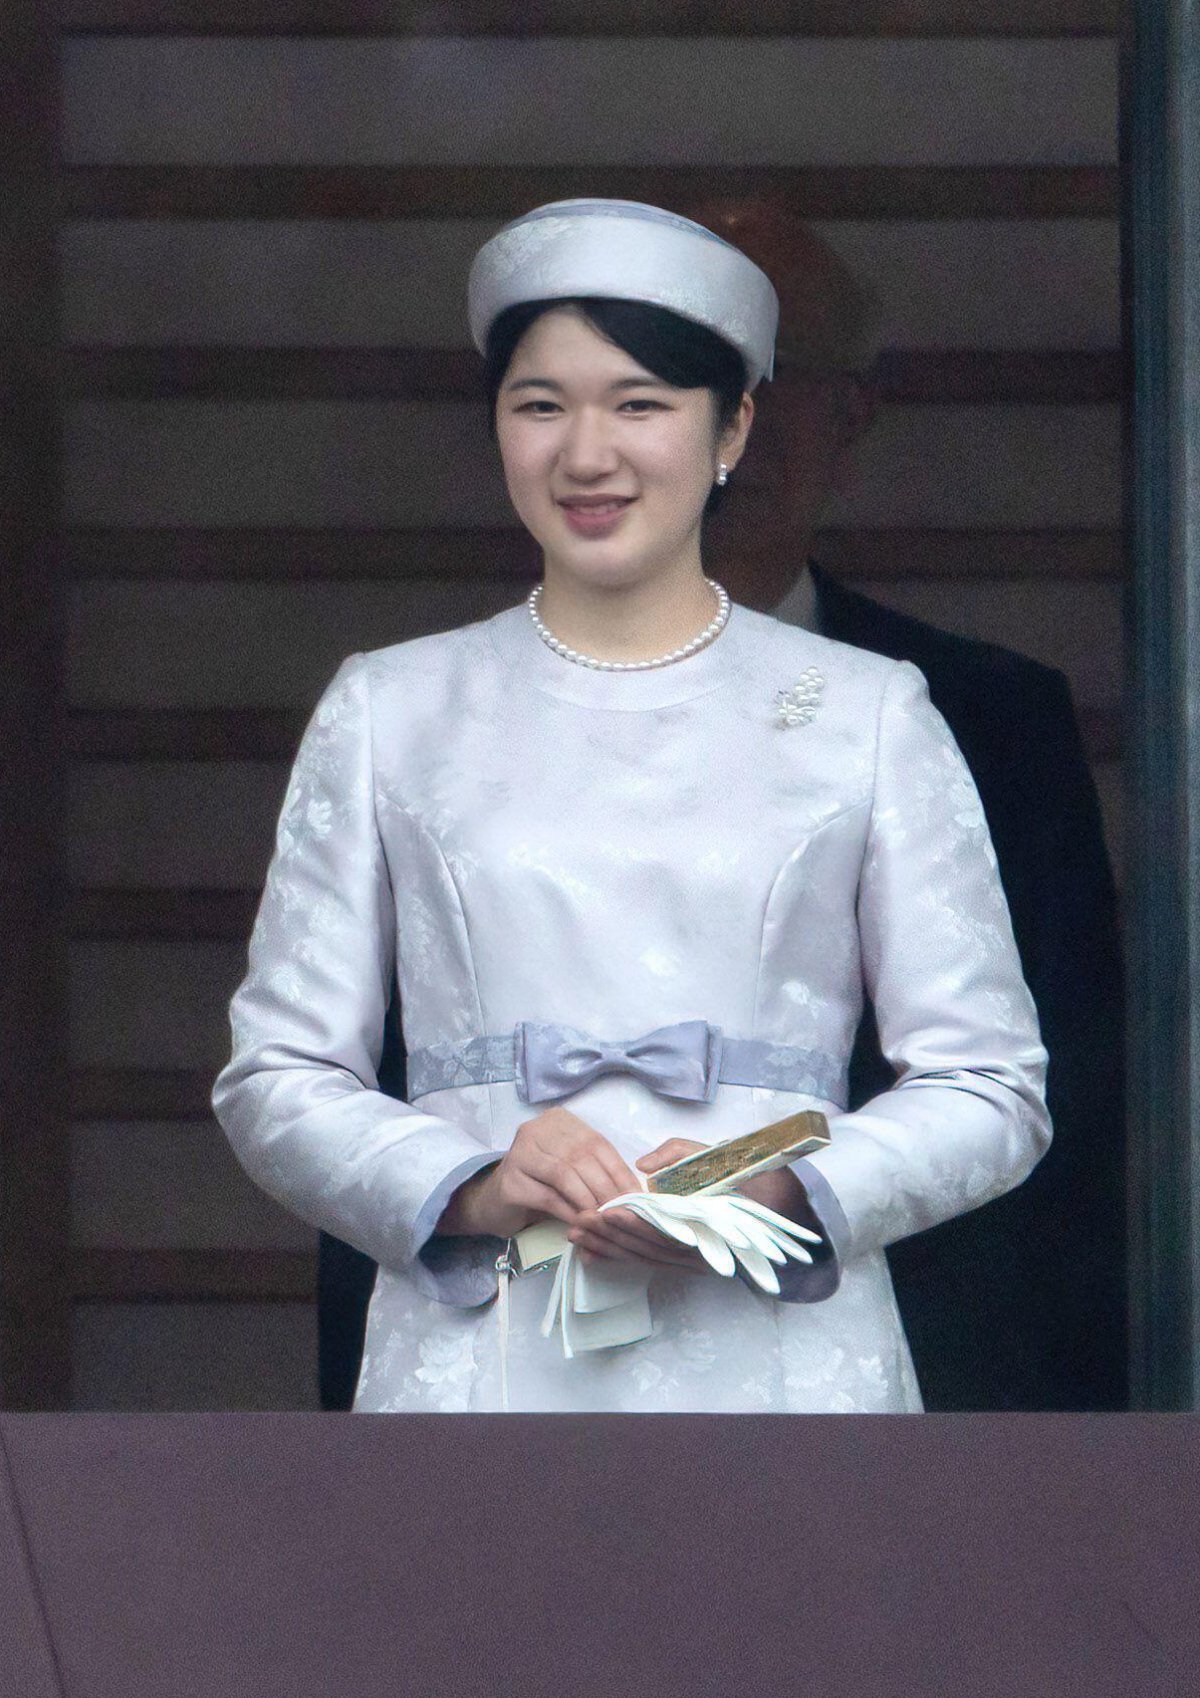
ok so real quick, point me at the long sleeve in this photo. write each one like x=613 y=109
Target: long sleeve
x=299 y=1098
x=966 y=1120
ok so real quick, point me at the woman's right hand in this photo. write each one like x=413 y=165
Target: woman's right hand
x=556 y=1165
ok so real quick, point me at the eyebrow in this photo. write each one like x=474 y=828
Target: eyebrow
x=620 y=383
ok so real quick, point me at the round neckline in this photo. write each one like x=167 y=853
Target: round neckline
x=521 y=649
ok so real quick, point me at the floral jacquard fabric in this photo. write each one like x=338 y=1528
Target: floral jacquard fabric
x=507 y=836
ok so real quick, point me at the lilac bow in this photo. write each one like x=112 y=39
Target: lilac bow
x=682 y=1060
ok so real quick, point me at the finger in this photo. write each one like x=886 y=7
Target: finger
x=530 y=1193
x=591 y=1244
x=562 y=1177
x=589 y=1154
x=631 y=1222
x=621 y=1176
x=603 y=1182
x=654 y=1248
x=675 y=1149
x=598 y=1239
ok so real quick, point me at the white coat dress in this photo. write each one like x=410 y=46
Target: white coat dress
x=517 y=837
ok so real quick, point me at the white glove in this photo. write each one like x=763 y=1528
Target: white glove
x=725 y=1228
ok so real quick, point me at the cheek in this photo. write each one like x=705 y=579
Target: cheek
x=525 y=459
x=681 y=459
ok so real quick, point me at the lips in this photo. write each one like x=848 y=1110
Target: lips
x=593 y=504
x=596 y=516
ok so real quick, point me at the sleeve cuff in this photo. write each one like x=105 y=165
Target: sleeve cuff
x=813 y=1282
x=460 y=1271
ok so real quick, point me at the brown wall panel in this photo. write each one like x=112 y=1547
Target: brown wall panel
x=402 y=283
x=153 y=1005
x=156 y=1356
x=200 y=825
x=287 y=555
x=33 y=1312
x=497 y=192
x=251 y=645
x=585 y=18
x=190 y=101
x=174 y=914
x=124 y=1094
x=143 y=1186
x=109 y=1275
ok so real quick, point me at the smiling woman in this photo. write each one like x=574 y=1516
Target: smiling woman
x=602 y=815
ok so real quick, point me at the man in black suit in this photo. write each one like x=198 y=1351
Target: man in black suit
x=1020 y=1304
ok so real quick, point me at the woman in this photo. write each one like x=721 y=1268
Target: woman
x=627 y=807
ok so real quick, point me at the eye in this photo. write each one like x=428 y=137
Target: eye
x=528 y=407
x=642 y=401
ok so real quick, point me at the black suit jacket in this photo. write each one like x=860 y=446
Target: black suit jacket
x=1020 y=1304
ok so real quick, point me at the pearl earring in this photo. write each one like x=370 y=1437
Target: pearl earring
x=722 y=474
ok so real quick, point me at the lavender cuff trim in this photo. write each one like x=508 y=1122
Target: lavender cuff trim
x=813 y=1282
x=460 y=1271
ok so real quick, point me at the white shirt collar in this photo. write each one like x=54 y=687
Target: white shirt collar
x=799 y=605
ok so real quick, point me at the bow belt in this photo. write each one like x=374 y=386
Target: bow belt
x=686 y=1060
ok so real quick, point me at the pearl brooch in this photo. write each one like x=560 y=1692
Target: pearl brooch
x=798 y=706
x=711 y=630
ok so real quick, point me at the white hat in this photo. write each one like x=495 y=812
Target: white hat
x=634 y=252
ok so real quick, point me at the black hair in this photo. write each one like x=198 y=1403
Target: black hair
x=677 y=349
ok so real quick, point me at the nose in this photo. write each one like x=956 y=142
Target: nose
x=588 y=451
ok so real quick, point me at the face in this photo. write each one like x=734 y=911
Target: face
x=607 y=465
x=801 y=454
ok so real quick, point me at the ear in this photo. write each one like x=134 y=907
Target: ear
x=733 y=437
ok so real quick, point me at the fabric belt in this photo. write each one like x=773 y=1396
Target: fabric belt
x=686 y=1060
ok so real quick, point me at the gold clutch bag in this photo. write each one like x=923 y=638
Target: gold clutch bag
x=720 y=1167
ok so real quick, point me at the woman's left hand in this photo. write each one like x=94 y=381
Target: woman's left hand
x=621 y=1236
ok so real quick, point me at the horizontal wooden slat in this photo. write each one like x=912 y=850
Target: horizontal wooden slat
x=138 y=1093
x=956 y=555
x=192 y=1276
x=424 y=374
x=409 y=374
x=599 y=103
x=181 y=734
x=152 y=1007
x=1086 y=191
x=171 y=1185
x=284 y=555
x=291 y=556
x=163 y=914
x=164 y=1357
x=964 y=374
x=595 y=17
x=331 y=283
x=145 y=825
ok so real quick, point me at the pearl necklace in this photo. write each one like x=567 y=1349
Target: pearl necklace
x=711 y=630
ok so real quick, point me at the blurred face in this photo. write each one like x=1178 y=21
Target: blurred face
x=608 y=466
x=800 y=455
